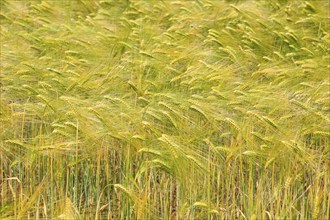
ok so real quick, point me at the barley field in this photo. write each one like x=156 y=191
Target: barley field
x=165 y=109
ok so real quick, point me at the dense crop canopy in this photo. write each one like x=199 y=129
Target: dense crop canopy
x=161 y=109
